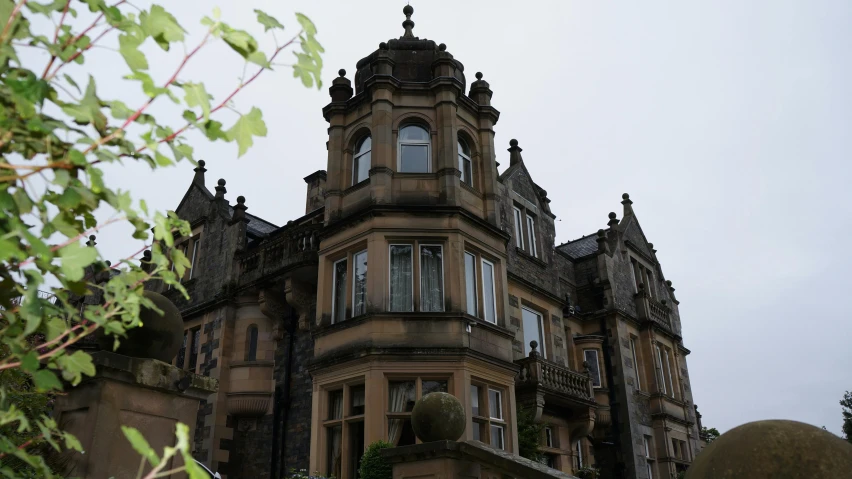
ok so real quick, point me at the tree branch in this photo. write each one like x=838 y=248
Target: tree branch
x=12 y=18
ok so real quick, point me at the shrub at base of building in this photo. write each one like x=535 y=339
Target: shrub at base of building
x=588 y=473
x=373 y=465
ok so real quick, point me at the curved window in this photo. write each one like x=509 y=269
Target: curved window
x=251 y=343
x=361 y=163
x=464 y=163
x=414 y=150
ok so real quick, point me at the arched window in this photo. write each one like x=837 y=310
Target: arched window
x=251 y=343
x=464 y=163
x=361 y=163
x=414 y=155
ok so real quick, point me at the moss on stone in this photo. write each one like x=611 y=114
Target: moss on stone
x=438 y=417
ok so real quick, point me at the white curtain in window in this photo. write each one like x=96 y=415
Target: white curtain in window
x=397 y=396
x=359 y=284
x=400 y=278
x=431 y=279
x=336 y=439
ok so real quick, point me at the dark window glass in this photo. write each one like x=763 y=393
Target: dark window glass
x=434 y=387
x=181 y=356
x=356 y=446
x=357 y=393
x=361 y=168
x=193 y=356
x=251 y=351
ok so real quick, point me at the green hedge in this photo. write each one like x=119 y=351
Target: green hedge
x=373 y=466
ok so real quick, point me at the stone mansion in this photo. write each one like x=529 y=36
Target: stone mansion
x=421 y=266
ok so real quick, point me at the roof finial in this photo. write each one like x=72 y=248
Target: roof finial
x=240 y=211
x=199 y=173
x=627 y=202
x=612 y=220
x=220 y=189
x=514 y=152
x=408 y=24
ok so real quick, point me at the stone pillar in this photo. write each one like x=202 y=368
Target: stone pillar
x=147 y=394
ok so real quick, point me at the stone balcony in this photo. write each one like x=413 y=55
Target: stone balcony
x=558 y=384
x=283 y=252
x=651 y=309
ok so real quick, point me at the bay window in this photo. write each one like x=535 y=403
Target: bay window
x=470 y=283
x=361 y=161
x=342 y=288
x=401 y=278
x=338 y=302
x=359 y=283
x=489 y=296
x=344 y=429
x=402 y=394
x=464 y=163
x=429 y=275
x=487 y=411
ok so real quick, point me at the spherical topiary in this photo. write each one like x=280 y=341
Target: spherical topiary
x=373 y=465
x=438 y=417
x=774 y=449
x=160 y=335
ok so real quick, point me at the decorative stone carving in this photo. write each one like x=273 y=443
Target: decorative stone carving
x=300 y=296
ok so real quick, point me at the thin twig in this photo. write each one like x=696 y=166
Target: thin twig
x=75 y=239
x=15 y=12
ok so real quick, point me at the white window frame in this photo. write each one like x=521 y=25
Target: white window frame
x=649 y=460
x=499 y=403
x=662 y=369
x=519 y=231
x=540 y=338
x=355 y=255
x=493 y=291
x=669 y=372
x=531 y=236
x=334 y=290
x=502 y=428
x=500 y=421
x=635 y=363
x=475 y=286
x=633 y=273
x=400 y=143
x=443 y=283
x=580 y=453
x=194 y=253
x=462 y=158
x=358 y=155
x=598 y=362
x=390 y=246
x=548 y=436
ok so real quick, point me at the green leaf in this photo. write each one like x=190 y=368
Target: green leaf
x=72 y=82
x=258 y=58
x=46 y=381
x=213 y=131
x=75 y=258
x=128 y=46
x=240 y=41
x=53 y=327
x=29 y=362
x=71 y=442
x=162 y=26
x=196 y=95
x=268 y=21
x=46 y=9
x=75 y=365
x=307 y=24
x=89 y=108
x=247 y=126
x=137 y=440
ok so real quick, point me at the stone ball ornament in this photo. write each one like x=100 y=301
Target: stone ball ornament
x=159 y=337
x=438 y=417
x=774 y=449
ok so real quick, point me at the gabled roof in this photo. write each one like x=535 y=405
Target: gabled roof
x=580 y=247
x=256 y=226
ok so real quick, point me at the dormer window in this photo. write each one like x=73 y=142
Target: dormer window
x=361 y=162
x=464 y=163
x=414 y=154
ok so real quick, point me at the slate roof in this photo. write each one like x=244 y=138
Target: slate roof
x=580 y=247
x=256 y=226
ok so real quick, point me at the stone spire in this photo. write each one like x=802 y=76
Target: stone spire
x=240 y=211
x=628 y=205
x=220 y=189
x=199 y=173
x=408 y=24
x=514 y=152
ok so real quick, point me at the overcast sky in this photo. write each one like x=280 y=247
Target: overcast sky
x=727 y=122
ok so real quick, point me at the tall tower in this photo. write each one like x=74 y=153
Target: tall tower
x=411 y=289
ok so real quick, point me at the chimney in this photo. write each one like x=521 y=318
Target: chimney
x=316 y=190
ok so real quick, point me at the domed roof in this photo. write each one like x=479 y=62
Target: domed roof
x=411 y=57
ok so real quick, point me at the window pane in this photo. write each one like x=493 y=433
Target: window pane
x=495 y=404
x=548 y=437
x=401 y=396
x=194 y=255
x=400 y=432
x=434 y=387
x=497 y=437
x=181 y=356
x=470 y=282
x=338 y=306
x=414 y=159
x=335 y=404
x=251 y=353
x=365 y=146
x=196 y=340
x=474 y=400
x=463 y=148
x=532 y=331
x=477 y=431
x=488 y=299
x=401 y=298
x=359 y=284
x=361 y=169
x=334 y=450
x=591 y=356
x=357 y=394
x=636 y=363
x=413 y=133
x=356 y=446
x=531 y=235
x=519 y=233
x=465 y=168
x=431 y=278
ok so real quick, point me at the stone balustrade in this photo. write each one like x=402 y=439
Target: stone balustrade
x=537 y=371
x=286 y=249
